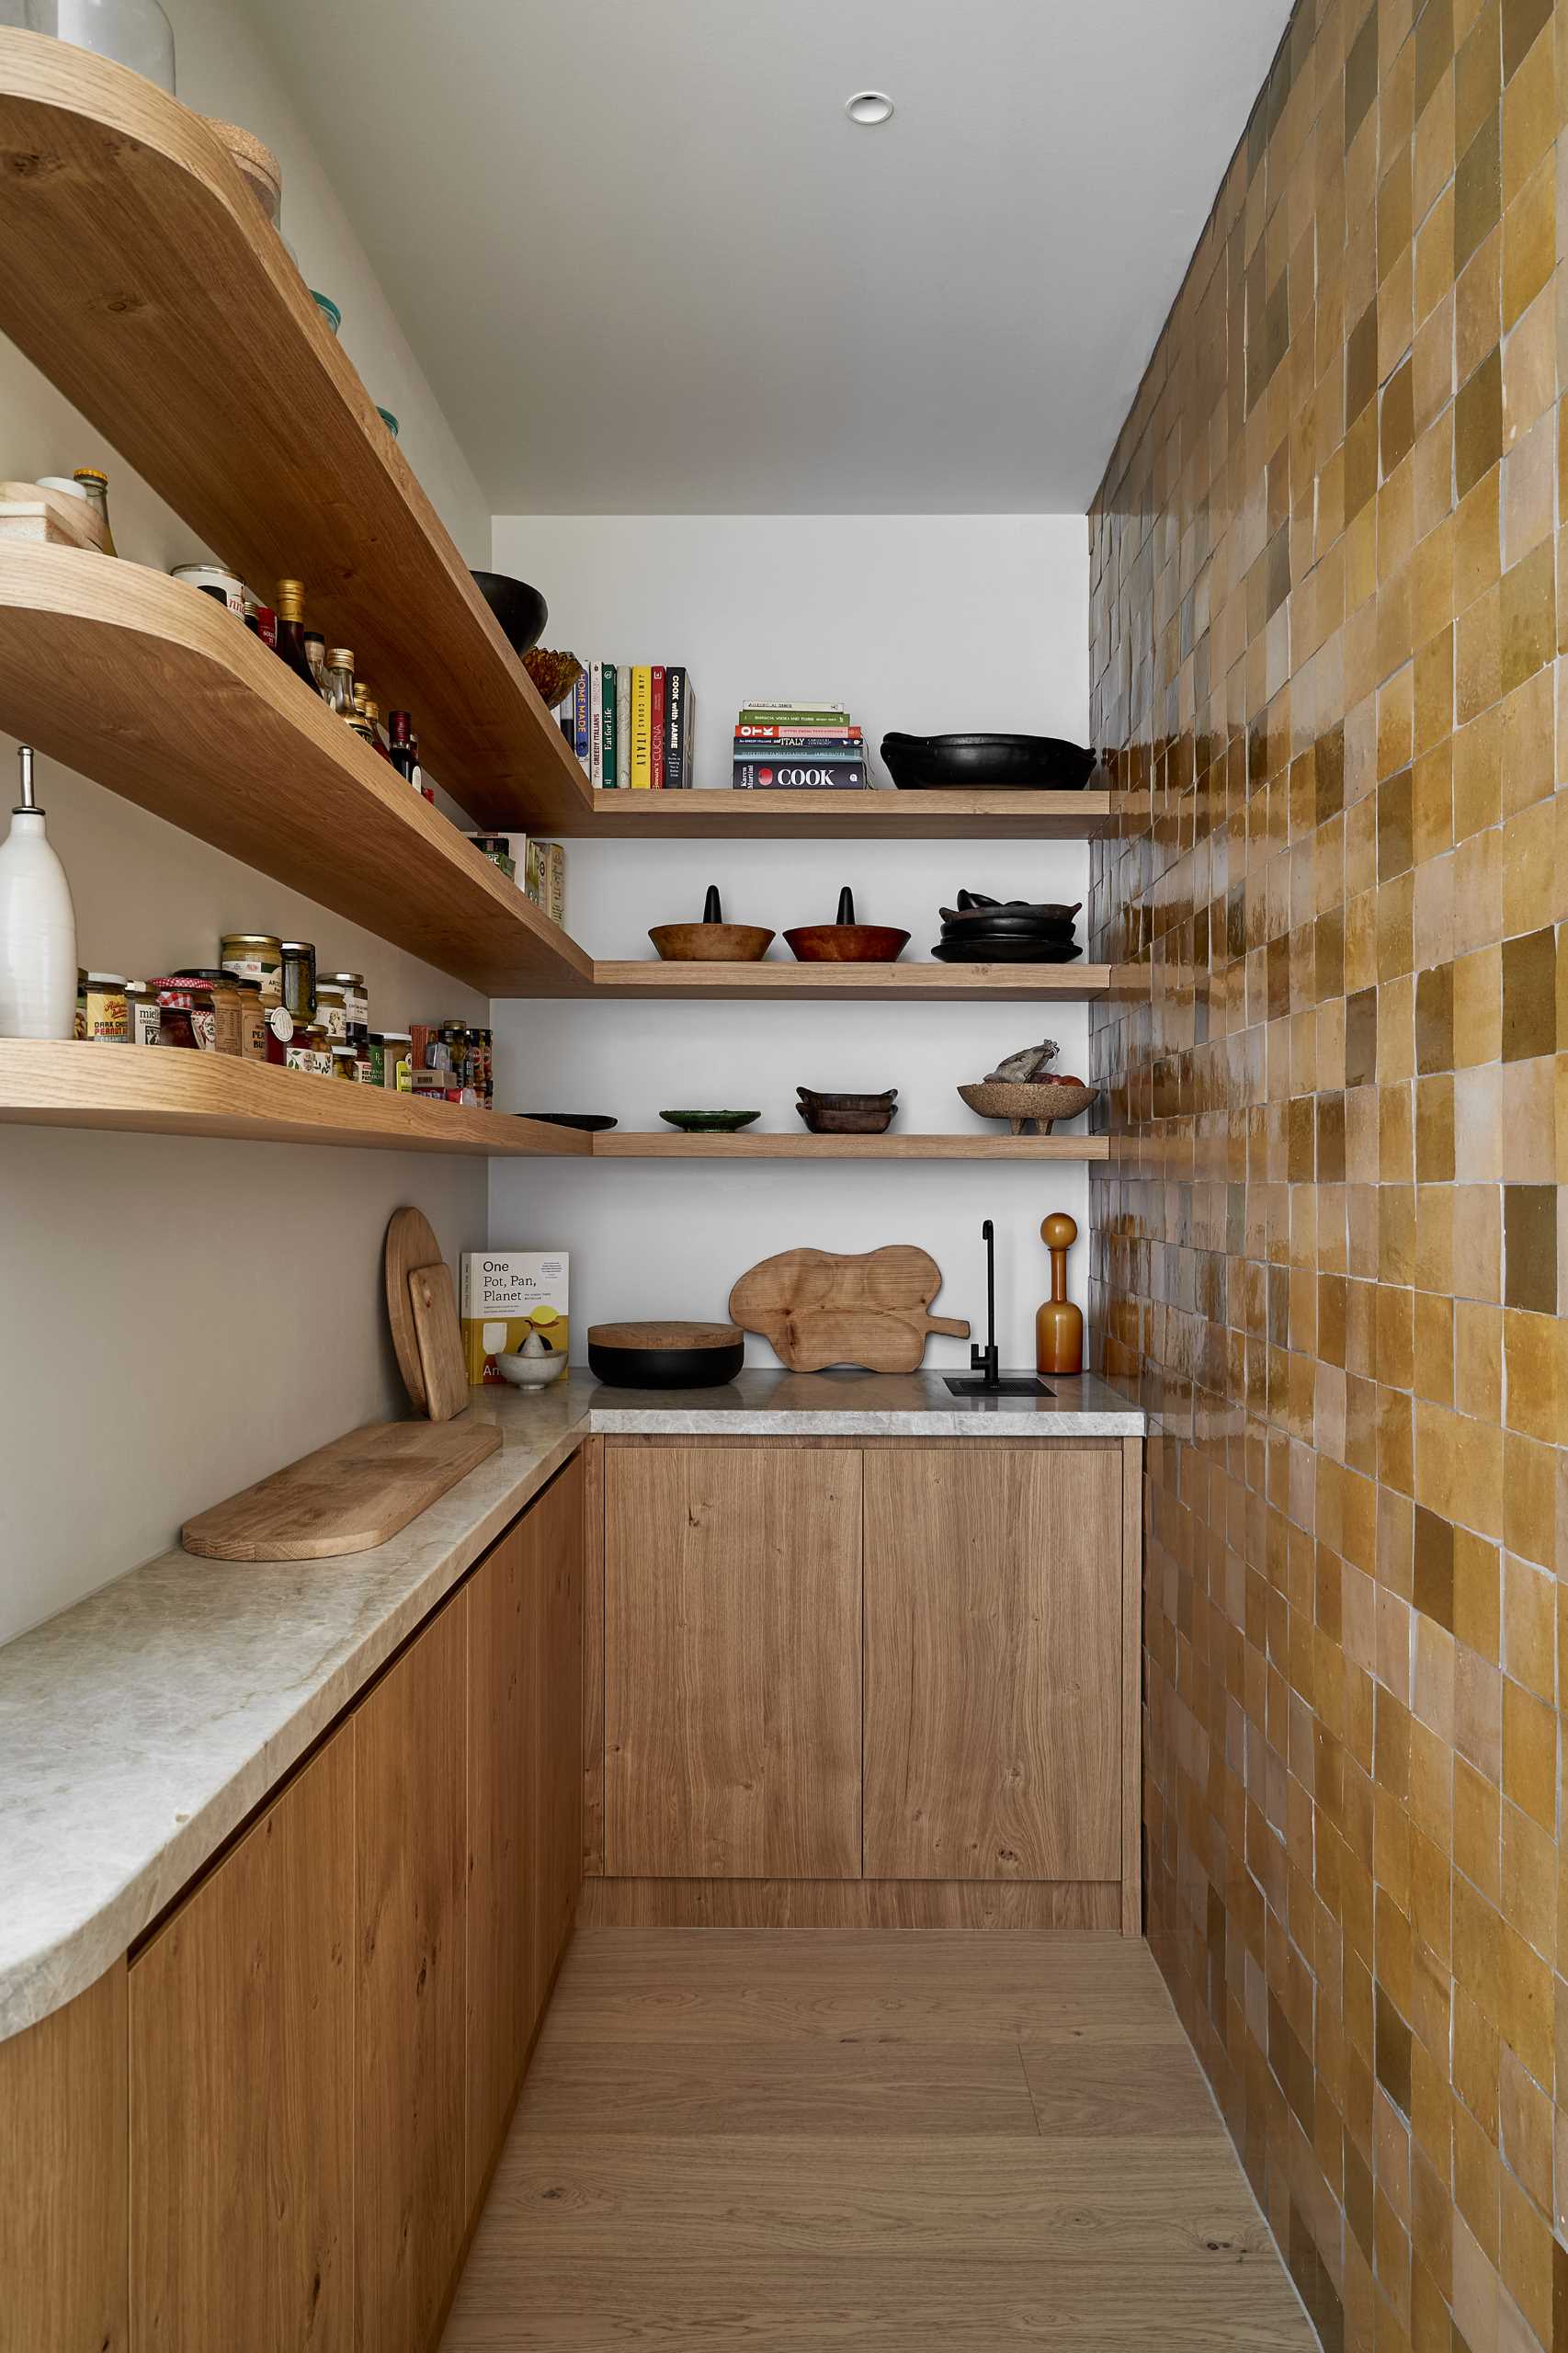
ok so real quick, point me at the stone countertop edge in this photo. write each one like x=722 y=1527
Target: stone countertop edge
x=140 y=1727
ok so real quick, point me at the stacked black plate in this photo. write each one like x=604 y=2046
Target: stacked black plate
x=1006 y=931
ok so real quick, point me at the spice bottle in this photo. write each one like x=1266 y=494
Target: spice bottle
x=38 y=925
x=95 y=489
x=340 y=680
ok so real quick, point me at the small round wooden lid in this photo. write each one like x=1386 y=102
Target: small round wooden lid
x=665 y=1335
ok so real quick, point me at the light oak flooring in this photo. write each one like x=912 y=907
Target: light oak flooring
x=737 y=2141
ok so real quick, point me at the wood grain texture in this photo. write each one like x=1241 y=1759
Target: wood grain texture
x=554 y=1530
x=994 y=1663
x=157 y=693
x=141 y=1091
x=821 y=1307
x=731 y=2142
x=496 y=1991
x=732 y=1664
x=625 y=1143
x=409 y=1743
x=410 y=1243
x=137 y=270
x=434 y=1307
x=720 y=815
x=242 y=2089
x=875 y=983
x=592 y=1457
x=65 y=2206
x=849 y=1903
x=349 y=1496
x=1132 y=1687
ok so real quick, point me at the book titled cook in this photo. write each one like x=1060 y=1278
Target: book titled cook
x=505 y=1296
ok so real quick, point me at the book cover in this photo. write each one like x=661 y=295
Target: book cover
x=771 y=775
x=642 y=715
x=596 y=724
x=776 y=733
x=608 y=717
x=623 y=724
x=656 y=727
x=674 y=728
x=505 y=1295
x=790 y=748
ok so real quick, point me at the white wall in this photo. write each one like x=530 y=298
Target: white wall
x=180 y=1318
x=924 y=623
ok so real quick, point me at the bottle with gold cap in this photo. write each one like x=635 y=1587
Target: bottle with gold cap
x=339 y=687
x=95 y=490
x=291 y=631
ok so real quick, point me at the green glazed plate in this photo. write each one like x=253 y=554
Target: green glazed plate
x=710 y=1123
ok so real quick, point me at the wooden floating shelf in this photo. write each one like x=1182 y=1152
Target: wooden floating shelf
x=621 y=1145
x=139 y=273
x=144 y=1090
x=892 y=984
x=723 y=815
x=155 y=691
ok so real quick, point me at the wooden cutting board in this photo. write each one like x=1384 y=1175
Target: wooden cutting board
x=435 y=1312
x=346 y=1497
x=818 y=1309
x=410 y=1244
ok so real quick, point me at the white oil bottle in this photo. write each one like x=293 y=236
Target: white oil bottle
x=38 y=927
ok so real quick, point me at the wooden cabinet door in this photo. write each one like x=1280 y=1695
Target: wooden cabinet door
x=242 y=2090
x=525 y=1779
x=63 y=2187
x=732 y=1662
x=993 y=1663
x=410 y=1743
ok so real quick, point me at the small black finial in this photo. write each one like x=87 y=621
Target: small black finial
x=845 y=906
x=711 y=911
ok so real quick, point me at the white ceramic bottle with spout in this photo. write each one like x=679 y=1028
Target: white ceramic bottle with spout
x=38 y=927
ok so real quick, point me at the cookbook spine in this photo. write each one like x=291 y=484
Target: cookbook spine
x=623 y=724
x=771 y=775
x=608 y=777
x=674 y=729
x=641 y=710
x=596 y=724
x=656 y=727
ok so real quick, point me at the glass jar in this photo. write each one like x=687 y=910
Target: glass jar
x=397 y=1062
x=186 y=1014
x=131 y=32
x=332 y=1011
x=344 y=1064
x=300 y=978
x=340 y=681
x=356 y=1007
x=141 y=1021
x=224 y=992
x=280 y=1035
x=94 y=487
x=253 y=1022
x=254 y=955
x=105 y=1009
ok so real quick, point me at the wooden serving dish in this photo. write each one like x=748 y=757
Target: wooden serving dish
x=846 y=941
x=711 y=941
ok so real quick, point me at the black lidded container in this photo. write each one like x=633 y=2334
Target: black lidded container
x=665 y=1356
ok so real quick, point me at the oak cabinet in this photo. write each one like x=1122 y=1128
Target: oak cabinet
x=63 y=2190
x=732 y=1662
x=242 y=2112
x=410 y=1767
x=993 y=1641
x=524 y=1665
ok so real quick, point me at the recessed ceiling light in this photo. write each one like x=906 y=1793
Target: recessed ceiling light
x=869 y=106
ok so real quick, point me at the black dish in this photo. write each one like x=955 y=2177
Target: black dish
x=1006 y=952
x=1028 y=763
x=591 y=1123
x=972 y=908
x=521 y=611
x=1011 y=926
x=665 y=1368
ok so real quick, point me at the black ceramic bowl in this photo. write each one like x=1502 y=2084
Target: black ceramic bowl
x=665 y=1368
x=1028 y=763
x=521 y=611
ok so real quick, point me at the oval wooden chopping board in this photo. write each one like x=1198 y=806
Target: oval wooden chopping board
x=818 y=1308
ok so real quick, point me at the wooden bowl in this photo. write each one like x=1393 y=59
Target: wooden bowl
x=711 y=943
x=1032 y=1107
x=848 y=943
x=838 y=1119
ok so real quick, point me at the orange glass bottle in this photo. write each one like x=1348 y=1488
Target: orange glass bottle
x=1058 y=1324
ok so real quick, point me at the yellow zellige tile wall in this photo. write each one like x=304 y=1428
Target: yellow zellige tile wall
x=1326 y=633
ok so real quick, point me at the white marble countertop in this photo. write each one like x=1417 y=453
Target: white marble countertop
x=140 y=1727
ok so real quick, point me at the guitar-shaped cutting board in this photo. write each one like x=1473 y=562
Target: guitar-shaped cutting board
x=817 y=1309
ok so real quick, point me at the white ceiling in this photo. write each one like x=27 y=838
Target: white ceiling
x=650 y=267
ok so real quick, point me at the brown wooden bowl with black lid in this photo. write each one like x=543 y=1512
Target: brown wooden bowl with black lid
x=665 y=1356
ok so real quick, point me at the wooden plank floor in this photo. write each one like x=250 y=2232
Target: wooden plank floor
x=762 y=2140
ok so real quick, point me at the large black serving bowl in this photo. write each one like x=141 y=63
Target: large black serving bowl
x=521 y=611
x=1027 y=763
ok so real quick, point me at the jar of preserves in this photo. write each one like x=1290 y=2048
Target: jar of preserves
x=225 y=995
x=355 y=1005
x=185 y=1013
x=344 y=1060
x=300 y=978
x=332 y=1011
x=397 y=1062
x=254 y=955
x=106 y=1014
x=141 y=1022
x=280 y=1035
x=455 y=1049
x=253 y=1022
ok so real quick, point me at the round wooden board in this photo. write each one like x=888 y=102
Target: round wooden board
x=410 y=1244
x=665 y=1335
